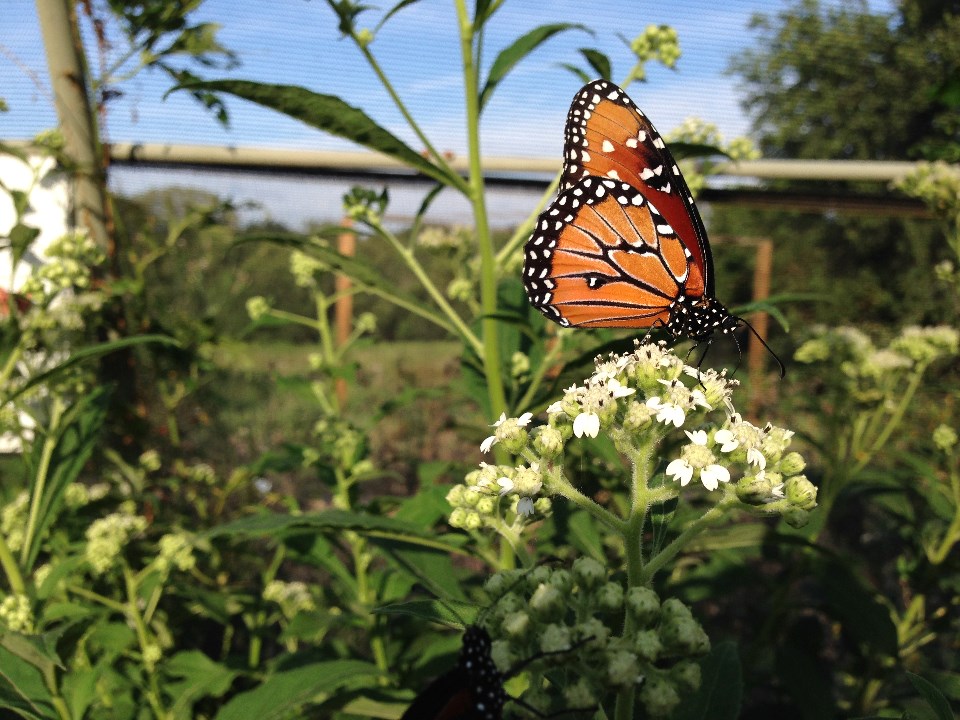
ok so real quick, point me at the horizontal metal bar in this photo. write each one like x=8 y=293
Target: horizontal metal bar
x=280 y=159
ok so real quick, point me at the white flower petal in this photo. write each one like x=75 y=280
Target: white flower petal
x=487 y=444
x=506 y=485
x=503 y=417
x=712 y=475
x=668 y=414
x=556 y=407
x=524 y=419
x=525 y=506
x=681 y=470
x=755 y=457
x=697 y=437
x=726 y=440
x=618 y=390
x=586 y=424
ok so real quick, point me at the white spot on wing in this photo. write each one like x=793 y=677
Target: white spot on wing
x=607 y=146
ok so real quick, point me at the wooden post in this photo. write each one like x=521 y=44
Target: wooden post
x=343 y=309
x=756 y=352
x=68 y=78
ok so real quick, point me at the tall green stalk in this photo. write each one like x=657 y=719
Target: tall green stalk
x=488 y=274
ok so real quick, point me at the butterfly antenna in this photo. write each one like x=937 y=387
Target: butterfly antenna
x=520 y=666
x=783 y=370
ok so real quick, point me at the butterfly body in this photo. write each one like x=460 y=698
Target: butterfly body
x=623 y=244
x=473 y=690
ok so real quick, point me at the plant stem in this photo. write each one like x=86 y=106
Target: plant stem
x=488 y=271
x=11 y=569
x=132 y=612
x=388 y=86
x=40 y=480
x=673 y=549
x=460 y=327
x=526 y=227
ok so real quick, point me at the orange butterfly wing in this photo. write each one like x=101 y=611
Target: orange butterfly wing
x=603 y=256
x=607 y=135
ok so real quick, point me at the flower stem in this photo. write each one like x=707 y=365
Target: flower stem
x=658 y=561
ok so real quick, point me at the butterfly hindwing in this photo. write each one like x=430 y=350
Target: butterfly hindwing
x=602 y=256
x=607 y=135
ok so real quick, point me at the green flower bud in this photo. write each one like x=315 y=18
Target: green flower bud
x=542 y=506
x=680 y=633
x=944 y=437
x=555 y=638
x=472 y=521
x=502 y=655
x=647 y=645
x=637 y=416
x=548 y=442
x=795 y=517
x=622 y=668
x=455 y=496
x=659 y=697
x=643 y=604
x=792 y=464
x=588 y=572
x=471 y=498
x=516 y=624
x=500 y=583
x=686 y=675
x=561 y=579
x=547 y=601
x=801 y=493
x=579 y=695
x=486 y=506
x=458 y=518
x=610 y=597
x=754 y=489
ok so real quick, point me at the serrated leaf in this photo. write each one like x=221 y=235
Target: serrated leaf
x=284 y=693
x=330 y=114
x=932 y=696
x=201 y=677
x=721 y=687
x=519 y=49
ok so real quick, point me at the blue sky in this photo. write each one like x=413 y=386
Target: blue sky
x=297 y=42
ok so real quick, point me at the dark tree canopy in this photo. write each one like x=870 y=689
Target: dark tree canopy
x=845 y=83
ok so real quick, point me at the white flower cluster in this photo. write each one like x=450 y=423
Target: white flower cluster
x=637 y=399
x=108 y=536
x=292 y=597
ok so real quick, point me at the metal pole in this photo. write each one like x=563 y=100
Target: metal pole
x=756 y=353
x=343 y=308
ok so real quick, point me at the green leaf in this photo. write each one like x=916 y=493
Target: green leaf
x=932 y=696
x=76 y=435
x=864 y=617
x=372 y=280
x=202 y=677
x=393 y=11
x=79 y=689
x=580 y=74
x=285 y=693
x=330 y=114
x=431 y=567
x=21 y=238
x=22 y=688
x=599 y=62
x=452 y=613
x=520 y=48
x=88 y=353
x=721 y=687
x=274 y=524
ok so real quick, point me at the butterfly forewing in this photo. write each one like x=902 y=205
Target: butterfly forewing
x=608 y=136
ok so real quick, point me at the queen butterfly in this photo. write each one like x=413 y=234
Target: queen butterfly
x=623 y=244
x=473 y=690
